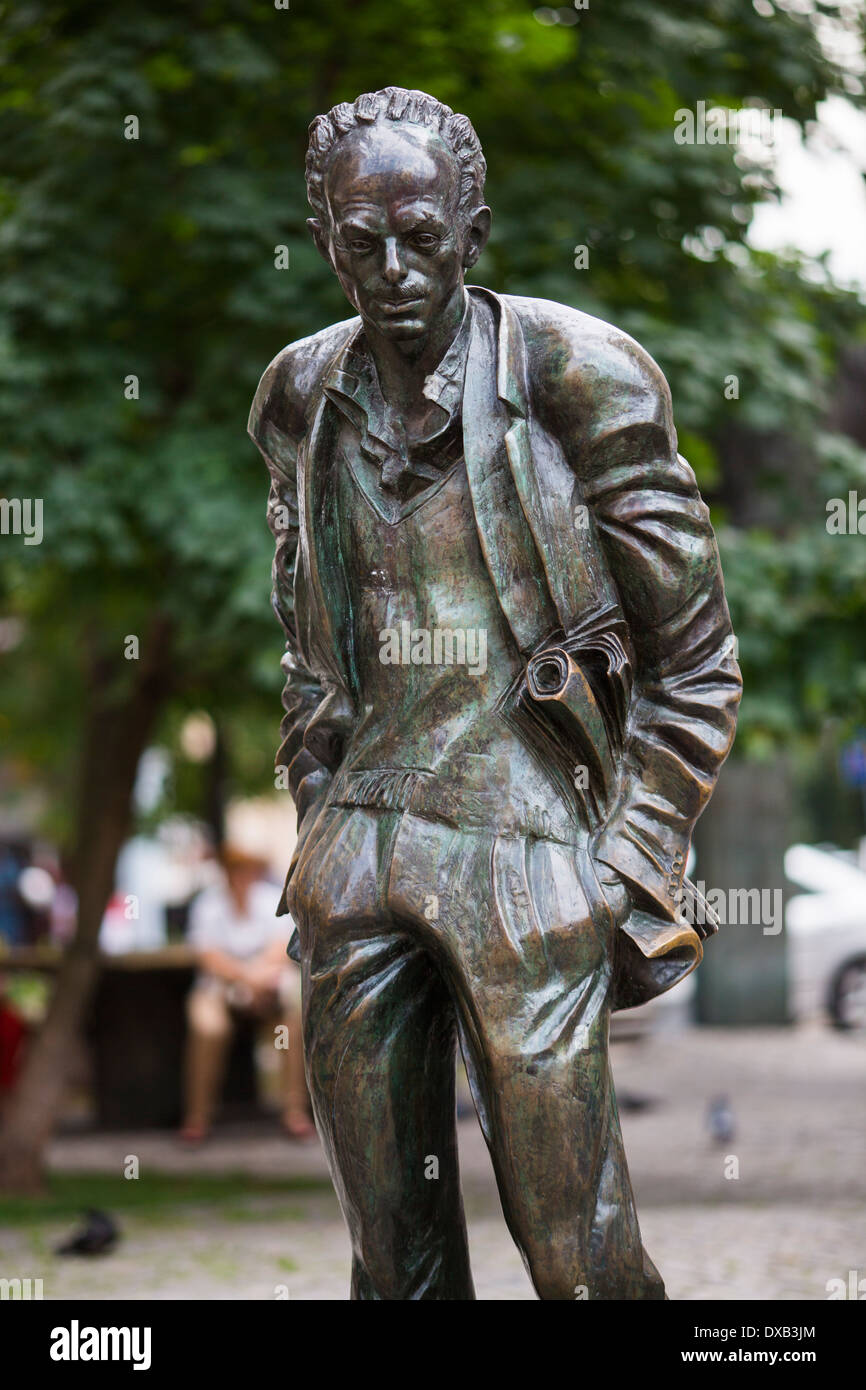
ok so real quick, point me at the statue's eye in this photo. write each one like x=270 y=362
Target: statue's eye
x=360 y=245
x=425 y=241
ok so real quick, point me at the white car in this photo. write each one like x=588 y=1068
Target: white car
x=826 y=929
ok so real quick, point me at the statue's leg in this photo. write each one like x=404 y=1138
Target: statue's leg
x=530 y=974
x=380 y=1042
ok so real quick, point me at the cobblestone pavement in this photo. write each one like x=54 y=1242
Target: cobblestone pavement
x=793 y=1219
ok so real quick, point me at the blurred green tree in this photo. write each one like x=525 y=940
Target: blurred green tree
x=156 y=258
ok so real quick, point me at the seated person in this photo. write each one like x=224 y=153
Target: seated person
x=243 y=968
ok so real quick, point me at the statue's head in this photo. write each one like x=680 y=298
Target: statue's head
x=396 y=182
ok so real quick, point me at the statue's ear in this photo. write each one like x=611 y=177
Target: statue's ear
x=320 y=238
x=476 y=238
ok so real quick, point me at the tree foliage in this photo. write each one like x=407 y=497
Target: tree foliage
x=154 y=258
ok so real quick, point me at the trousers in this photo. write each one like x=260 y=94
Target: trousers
x=416 y=935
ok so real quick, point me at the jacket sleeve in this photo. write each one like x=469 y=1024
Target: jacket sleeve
x=656 y=534
x=302 y=693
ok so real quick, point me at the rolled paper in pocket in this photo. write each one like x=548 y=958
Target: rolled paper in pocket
x=556 y=681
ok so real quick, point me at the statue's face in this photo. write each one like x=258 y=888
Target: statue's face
x=395 y=239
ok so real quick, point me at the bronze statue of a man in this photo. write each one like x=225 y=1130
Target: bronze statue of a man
x=511 y=686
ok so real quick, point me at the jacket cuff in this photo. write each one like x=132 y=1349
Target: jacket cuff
x=652 y=870
x=651 y=956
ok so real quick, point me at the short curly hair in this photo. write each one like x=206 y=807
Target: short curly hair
x=396 y=104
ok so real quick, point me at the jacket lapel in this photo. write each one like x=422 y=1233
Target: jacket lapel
x=499 y=464
x=320 y=578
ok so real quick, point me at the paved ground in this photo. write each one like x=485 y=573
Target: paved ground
x=793 y=1219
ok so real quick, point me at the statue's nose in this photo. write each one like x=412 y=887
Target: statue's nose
x=394 y=269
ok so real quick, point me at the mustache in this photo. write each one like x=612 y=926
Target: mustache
x=400 y=296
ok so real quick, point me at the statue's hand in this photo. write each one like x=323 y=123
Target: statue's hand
x=617 y=895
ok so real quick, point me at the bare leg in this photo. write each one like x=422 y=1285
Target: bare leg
x=209 y=1031
x=295 y=1099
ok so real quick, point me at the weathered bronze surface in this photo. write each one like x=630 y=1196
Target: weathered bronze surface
x=510 y=688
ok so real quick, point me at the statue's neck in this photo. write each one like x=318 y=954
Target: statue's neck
x=404 y=366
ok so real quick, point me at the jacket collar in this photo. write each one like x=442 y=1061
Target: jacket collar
x=343 y=377
x=511 y=378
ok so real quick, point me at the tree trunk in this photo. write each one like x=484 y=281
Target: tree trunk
x=118 y=726
x=740 y=843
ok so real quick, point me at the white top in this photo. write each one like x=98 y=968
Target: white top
x=215 y=924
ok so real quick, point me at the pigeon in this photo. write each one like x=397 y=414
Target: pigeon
x=97 y=1236
x=720 y=1120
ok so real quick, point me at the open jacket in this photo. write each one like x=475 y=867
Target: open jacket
x=589 y=520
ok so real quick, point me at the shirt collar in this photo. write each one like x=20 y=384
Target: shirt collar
x=353 y=386
x=444 y=386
